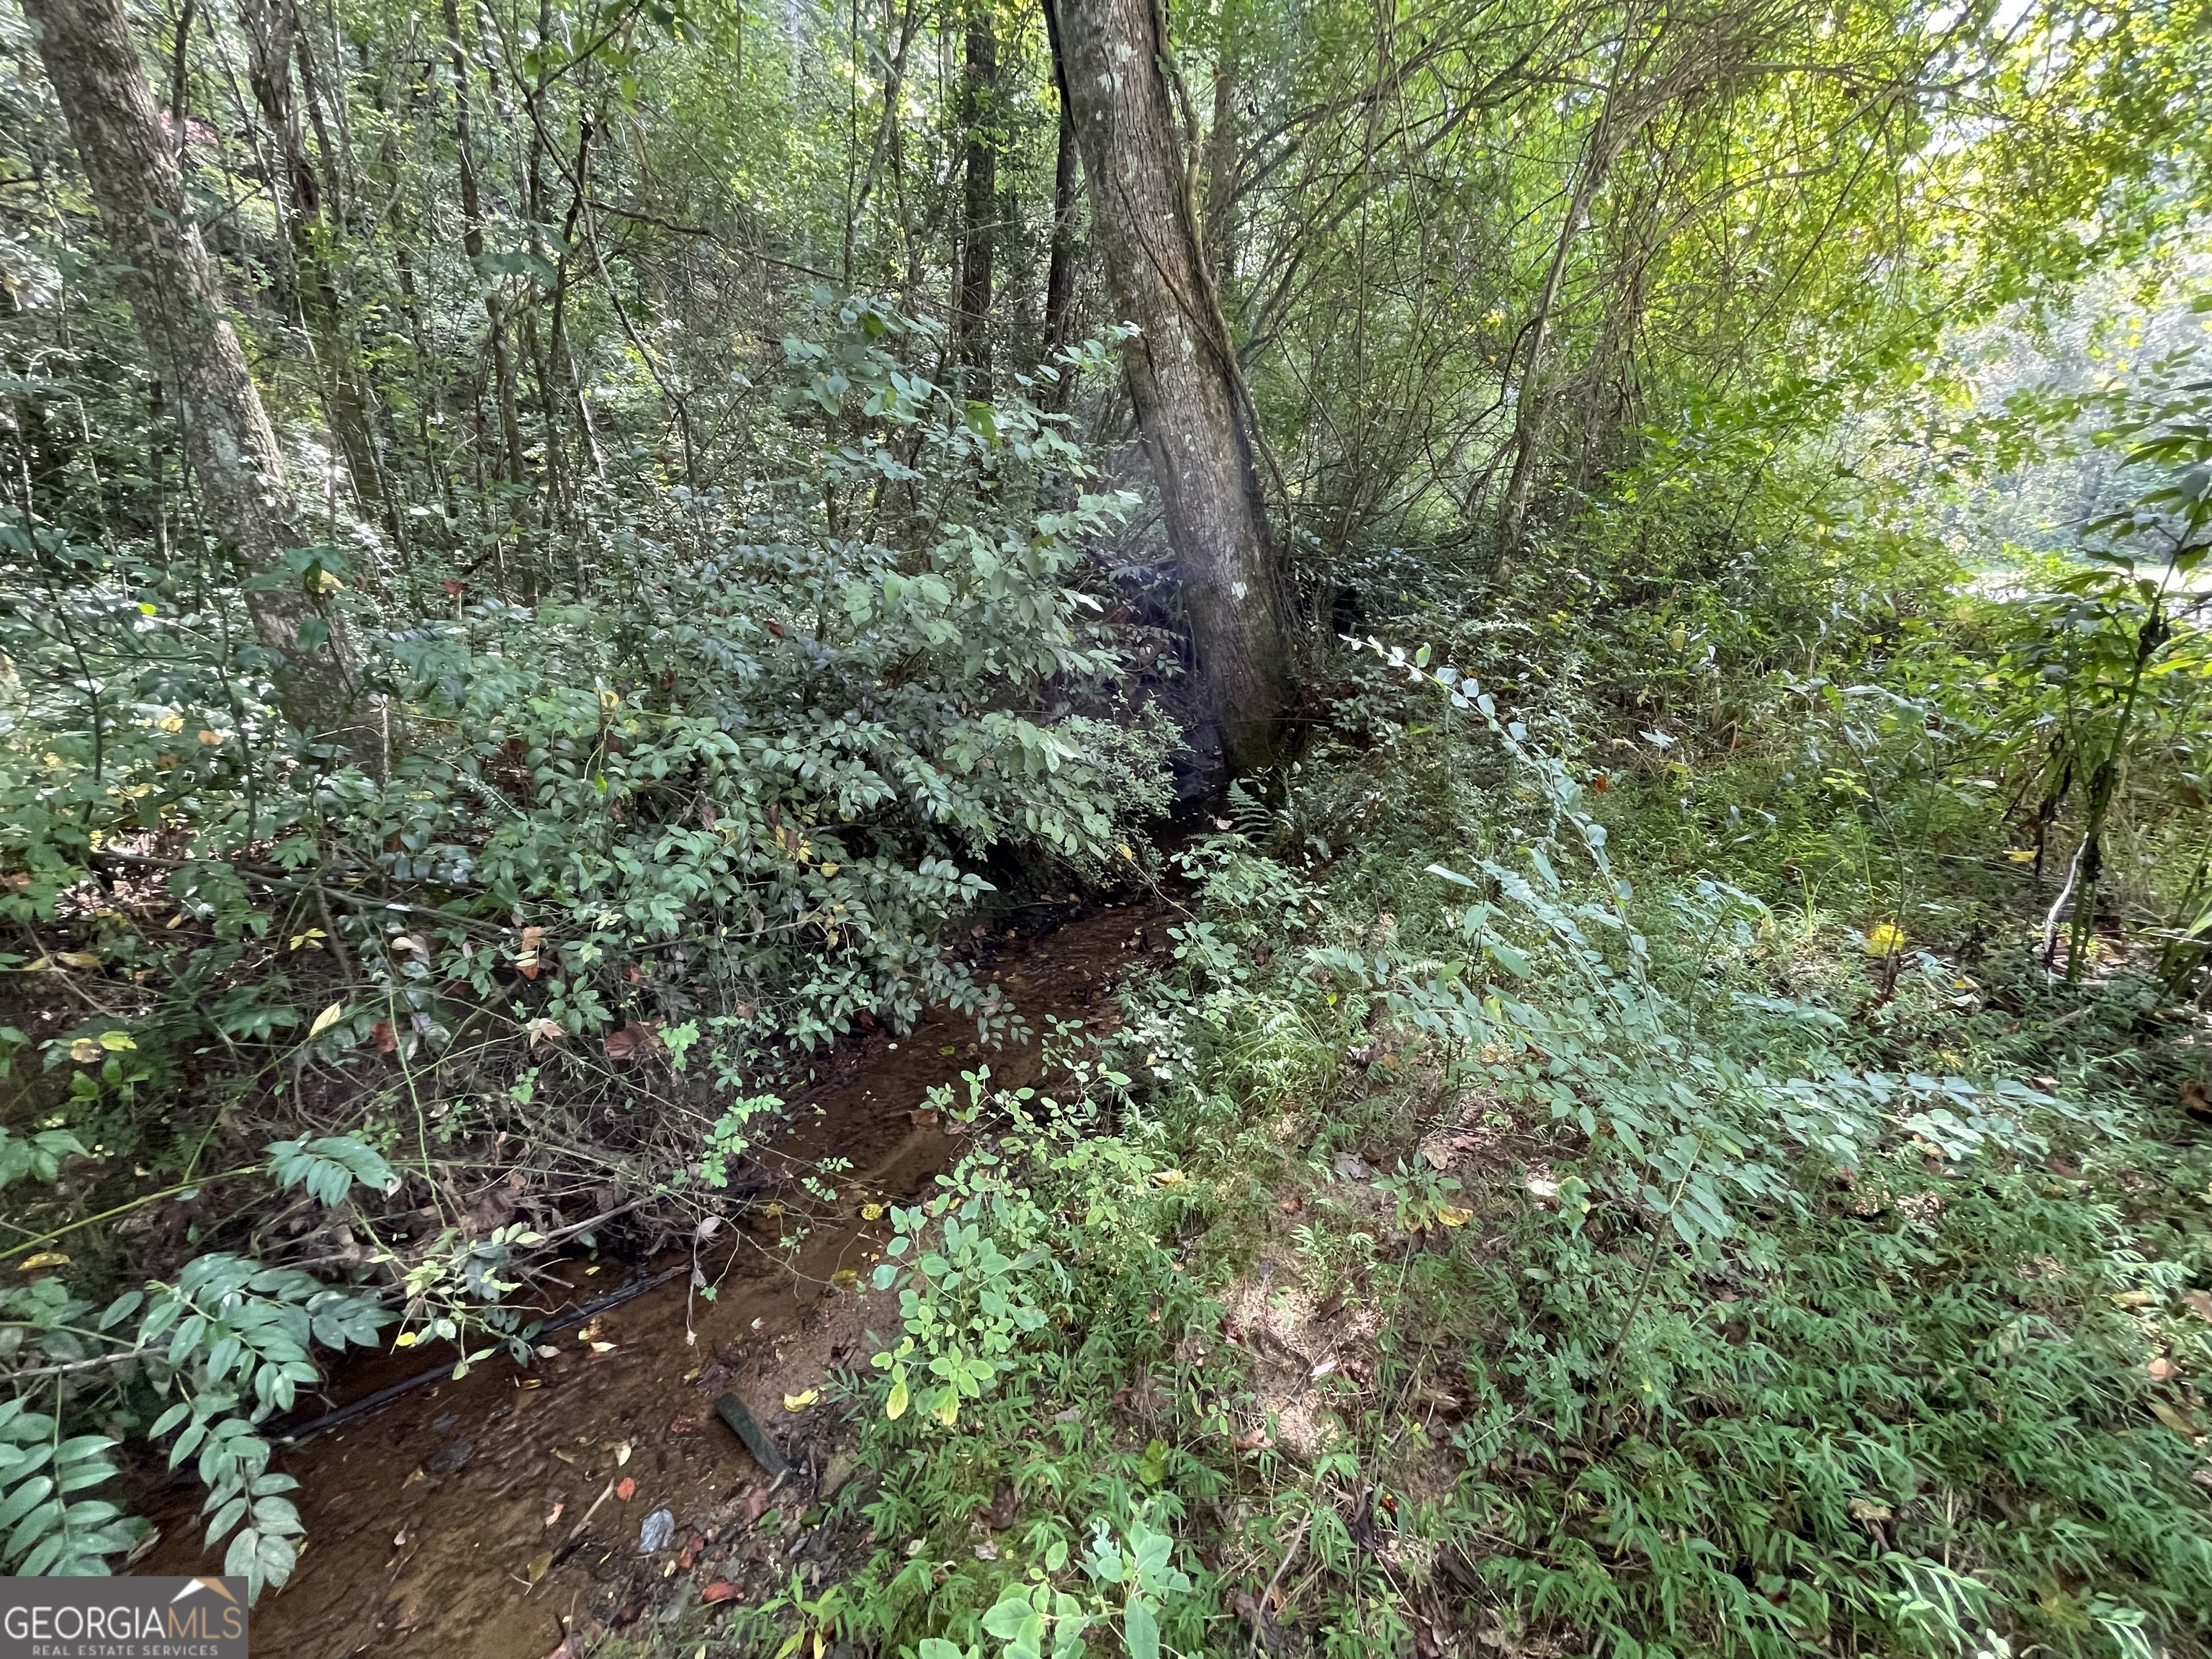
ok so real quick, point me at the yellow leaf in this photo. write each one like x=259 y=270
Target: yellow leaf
x=323 y=1021
x=170 y=723
x=210 y=738
x=829 y=869
x=1884 y=938
x=85 y=1052
x=116 y=1041
x=1170 y=1178
x=404 y=1340
x=326 y=583
x=845 y=1279
x=77 y=959
x=2022 y=854
x=44 y=1258
x=1455 y=1217
x=872 y=1212
x=894 y=1407
x=799 y=1402
x=1125 y=853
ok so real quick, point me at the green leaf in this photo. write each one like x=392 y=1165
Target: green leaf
x=1140 y=1629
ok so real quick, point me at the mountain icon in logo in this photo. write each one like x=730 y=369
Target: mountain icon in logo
x=193 y=1587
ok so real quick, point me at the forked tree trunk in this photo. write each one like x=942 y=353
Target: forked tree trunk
x=166 y=277
x=1183 y=377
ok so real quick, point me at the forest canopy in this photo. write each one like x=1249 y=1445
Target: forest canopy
x=1601 y=603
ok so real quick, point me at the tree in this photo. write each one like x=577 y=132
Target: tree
x=979 y=229
x=1192 y=406
x=167 y=279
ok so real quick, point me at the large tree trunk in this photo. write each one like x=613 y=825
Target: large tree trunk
x=978 y=109
x=167 y=279
x=1183 y=377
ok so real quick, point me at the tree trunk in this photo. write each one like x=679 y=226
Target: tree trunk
x=168 y=280
x=1184 y=381
x=472 y=244
x=271 y=31
x=979 y=101
x=1059 y=268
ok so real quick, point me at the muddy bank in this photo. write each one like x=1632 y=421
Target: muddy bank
x=494 y=1516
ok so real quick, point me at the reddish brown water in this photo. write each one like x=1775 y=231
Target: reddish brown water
x=430 y=1520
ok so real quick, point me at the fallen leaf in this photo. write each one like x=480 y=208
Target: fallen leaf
x=543 y=1029
x=554 y=1514
x=2160 y=1369
x=926 y=1120
x=540 y=1565
x=382 y=1035
x=2174 y=1418
x=1865 y=1508
x=1170 y=1178
x=799 y=1402
x=1352 y=1166
x=44 y=1258
x=846 y=1278
x=872 y=1212
x=626 y=1488
x=622 y=1452
x=323 y=1021
x=602 y=1347
x=1252 y=1440
x=85 y=1052
x=1439 y=1157
x=721 y=1590
x=680 y=1426
x=1451 y=1216
x=413 y=1476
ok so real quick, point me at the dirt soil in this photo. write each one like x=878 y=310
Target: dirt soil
x=499 y=1515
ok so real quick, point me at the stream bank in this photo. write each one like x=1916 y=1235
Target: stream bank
x=500 y=1516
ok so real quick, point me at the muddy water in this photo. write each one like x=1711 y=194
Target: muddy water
x=486 y=1517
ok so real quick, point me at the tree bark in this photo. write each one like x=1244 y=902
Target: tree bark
x=979 y=96
x=1060 y=268
x=271 y=32
x=472 y=244
x=1190 y=400
x=169 y=284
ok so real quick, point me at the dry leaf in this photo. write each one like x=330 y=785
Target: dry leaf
x=44 y=1258
x=721 y=1590
x=1451 y=1216
x=622 y=1452
x=799 y=1402
x=381 y=1034
x=540 y=1565
x=554 y=1514
x=2174 y=1418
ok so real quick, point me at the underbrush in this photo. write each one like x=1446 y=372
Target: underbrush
x=1479 y=1243
x=321 y=1047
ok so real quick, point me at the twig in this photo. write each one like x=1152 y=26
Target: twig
x=1260 y=1607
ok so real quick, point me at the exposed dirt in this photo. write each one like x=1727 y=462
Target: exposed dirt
x=489 y=1516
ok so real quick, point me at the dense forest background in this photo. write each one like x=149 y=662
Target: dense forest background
x=1627 y=569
